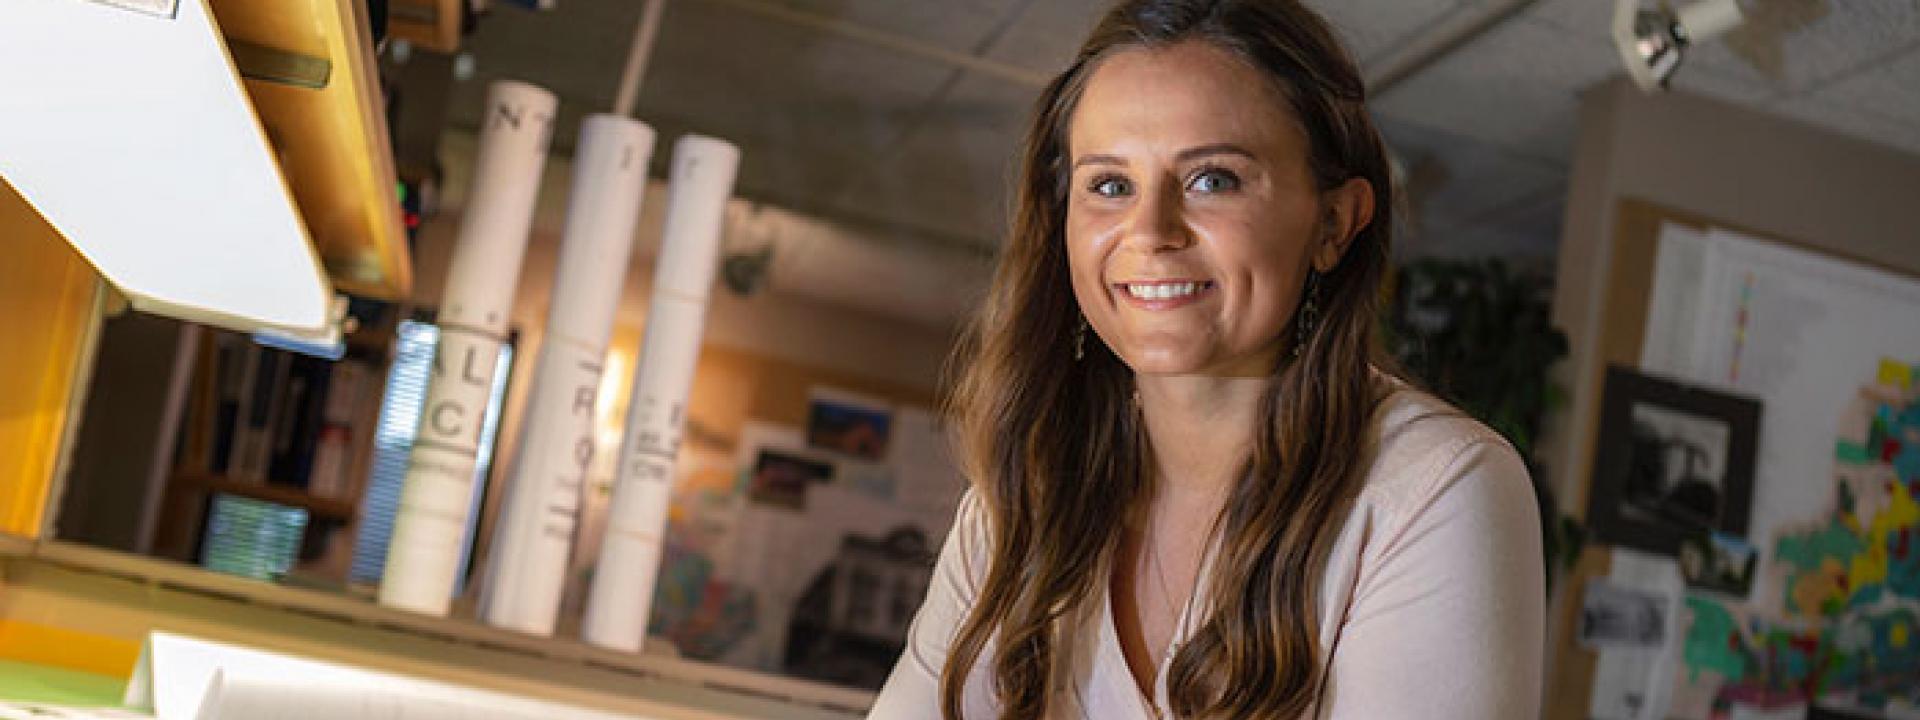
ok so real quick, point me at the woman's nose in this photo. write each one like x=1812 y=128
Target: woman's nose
x=1154 y=224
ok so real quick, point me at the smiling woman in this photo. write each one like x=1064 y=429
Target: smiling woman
x=1225 y=504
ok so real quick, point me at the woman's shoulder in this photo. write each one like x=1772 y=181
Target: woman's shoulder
x=1419 y=445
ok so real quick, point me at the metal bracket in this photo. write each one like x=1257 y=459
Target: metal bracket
x=268 y=64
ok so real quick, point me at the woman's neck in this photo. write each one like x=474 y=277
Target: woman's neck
x=1201 y=429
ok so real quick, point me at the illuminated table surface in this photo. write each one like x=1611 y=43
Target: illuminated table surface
x=31 y=682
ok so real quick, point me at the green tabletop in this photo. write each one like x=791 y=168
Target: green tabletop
x=28 y=682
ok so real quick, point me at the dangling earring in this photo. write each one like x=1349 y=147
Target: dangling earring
x=1309 y=314
x=1080 y=340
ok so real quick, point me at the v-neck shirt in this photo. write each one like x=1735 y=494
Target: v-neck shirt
x=1431 y=604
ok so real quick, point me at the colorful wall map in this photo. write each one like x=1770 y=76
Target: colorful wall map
x=1850 y=633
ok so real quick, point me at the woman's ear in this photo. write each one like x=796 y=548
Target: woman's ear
x=1348 y=210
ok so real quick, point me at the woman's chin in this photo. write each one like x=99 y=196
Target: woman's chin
x=1187 y=361
x=1165 y=361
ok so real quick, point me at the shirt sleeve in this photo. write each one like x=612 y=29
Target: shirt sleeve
x=913 y=689
x=1449 y=622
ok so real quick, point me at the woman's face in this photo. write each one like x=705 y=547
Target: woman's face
x=1192 y=216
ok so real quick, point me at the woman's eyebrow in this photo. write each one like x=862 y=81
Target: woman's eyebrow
x=1184 y=156
x=1099 y=160
x=1191 y=153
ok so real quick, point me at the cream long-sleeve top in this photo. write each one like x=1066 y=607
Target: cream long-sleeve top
x=1432 y=605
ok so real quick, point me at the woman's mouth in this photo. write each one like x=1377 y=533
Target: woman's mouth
x=1164 y=294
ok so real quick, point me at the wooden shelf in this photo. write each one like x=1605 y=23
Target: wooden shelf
x=309 y=68
x=331 y=508
x=449 y=649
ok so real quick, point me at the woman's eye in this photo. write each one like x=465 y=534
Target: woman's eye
x=1111 y=186
x=1214 y=180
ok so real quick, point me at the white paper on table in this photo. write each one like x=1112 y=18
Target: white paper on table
x=11 y=710
x=183 y=678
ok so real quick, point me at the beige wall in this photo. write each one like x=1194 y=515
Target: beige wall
x=1706 y=161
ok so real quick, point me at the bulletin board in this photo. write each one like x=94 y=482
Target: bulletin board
x=1833 y=346
x=806 y=512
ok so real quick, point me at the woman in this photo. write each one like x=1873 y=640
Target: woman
x=1194 y=492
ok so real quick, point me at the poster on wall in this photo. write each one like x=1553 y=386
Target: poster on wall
x=1831 y=624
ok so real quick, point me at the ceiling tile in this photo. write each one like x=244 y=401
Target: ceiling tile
x=1462 y=180
x=1811 y=42
x=1370 y=27
x=951 y=176
x=1891 y=90
x=807 y=109
x=1047 y=33
x=1830 y=111
x=575 y=51
x=1515 y=87
x=951 y=24
x=1589 y=17
x=1738 y=88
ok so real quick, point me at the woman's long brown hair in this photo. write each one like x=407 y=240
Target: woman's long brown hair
x=1055 y=450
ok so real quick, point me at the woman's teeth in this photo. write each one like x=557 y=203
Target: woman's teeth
x=1165 y=291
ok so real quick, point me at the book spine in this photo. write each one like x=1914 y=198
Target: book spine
x=251 y=407
x=226 y=413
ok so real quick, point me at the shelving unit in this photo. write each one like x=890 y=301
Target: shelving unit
x=54 y=580
x=340 y=509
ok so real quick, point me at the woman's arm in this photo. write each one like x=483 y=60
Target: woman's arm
x=1448 y=623
x=913 y=690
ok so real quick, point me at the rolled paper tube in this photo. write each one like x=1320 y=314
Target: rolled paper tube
x=437 y=498
x=621 y=597
x=542 y=504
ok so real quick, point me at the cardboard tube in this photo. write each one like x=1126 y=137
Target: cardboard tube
x=436 y=499
x=622 y=593
x=542 y=504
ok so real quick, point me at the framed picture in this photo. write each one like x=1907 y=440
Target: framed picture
x=781 y=478
x=846 y=423
x=1718 y=562
x=1672 y=461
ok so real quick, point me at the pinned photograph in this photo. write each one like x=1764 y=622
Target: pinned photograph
x=781 y=479
x=1672 y=462
x=848 y=424
x=1616 y=616
x=1717 y=562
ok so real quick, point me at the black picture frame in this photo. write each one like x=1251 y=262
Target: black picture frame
x=1646 y=424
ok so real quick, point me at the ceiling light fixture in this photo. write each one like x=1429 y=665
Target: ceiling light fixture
x=1653 y=41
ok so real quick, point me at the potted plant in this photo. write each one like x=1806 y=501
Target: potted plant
x=1478 y=332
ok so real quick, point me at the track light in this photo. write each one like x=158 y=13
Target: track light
x=1653 y=41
